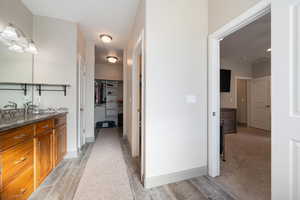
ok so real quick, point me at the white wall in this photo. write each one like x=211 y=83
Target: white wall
x=221 y=12
x=176 y=66
x=56 y=63
x=13 y=11
x=238 y=69
x=109 y=71
x=261 y=69
x=136 y=32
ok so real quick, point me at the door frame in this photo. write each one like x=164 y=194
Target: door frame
x=137 y=51
x=258 y=10
x=249 y=94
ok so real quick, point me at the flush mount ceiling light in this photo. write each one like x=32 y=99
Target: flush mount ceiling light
x=105 y=38
x=269 y=50
x=112 y=59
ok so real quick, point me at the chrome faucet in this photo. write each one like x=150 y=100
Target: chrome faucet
x=12 y=105
x=27 y=107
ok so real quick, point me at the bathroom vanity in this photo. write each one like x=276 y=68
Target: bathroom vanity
x=30 y=148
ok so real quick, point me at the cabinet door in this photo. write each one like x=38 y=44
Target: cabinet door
x=43 y=156
x=60 y=143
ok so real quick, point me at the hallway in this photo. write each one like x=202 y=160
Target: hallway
x=105 y=171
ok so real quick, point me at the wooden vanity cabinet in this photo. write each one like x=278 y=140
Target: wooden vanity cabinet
x=43 y=145
x=59 y=139
x=28 y=154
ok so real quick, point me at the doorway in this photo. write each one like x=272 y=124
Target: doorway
x=138 y=109
x=237 y=103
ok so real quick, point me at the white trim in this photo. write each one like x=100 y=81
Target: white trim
x=138 y=50
x=260 y=9
x=156 y=181
x=90 y=139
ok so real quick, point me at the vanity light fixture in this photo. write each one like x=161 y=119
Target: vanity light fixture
x=17 y=48
x=105 y=38
x=112 y=59
x=31 y=48
x=16 y=40
x=10 y=33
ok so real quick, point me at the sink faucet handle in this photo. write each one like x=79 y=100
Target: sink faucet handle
x=13 y=104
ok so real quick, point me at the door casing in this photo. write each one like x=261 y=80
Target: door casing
x=260 y=9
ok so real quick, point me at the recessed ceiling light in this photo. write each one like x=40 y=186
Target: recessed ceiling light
x=112 y=59
x=269 y=50
x=106 y=38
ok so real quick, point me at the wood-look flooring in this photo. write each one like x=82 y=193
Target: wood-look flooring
x=63 y=181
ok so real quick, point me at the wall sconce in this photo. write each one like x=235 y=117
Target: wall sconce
x=16 y=40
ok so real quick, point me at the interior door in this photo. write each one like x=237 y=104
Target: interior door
x=43 y=155
x=285 y=99
x=81 y=103
x=242 y=101
x=260 y=103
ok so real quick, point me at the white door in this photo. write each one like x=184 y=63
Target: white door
x=81 y=102
x=285 y=99
x=261 y=103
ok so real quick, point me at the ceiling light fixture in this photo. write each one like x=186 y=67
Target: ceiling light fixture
x=112 y=59
x=105 y=38
x=269 y=50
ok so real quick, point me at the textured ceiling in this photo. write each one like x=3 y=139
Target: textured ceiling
x=250 y=43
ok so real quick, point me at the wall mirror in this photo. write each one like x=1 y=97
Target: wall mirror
x=16 y=66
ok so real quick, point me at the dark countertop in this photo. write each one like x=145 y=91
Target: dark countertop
x=26 y=120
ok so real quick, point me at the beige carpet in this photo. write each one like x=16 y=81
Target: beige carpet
x=105 y=176
x=247 y=170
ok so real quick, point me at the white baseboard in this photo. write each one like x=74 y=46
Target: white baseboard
x=156 y=181
x=90 y=139
x=71 y=154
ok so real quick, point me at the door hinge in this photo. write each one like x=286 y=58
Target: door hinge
x=214 y=114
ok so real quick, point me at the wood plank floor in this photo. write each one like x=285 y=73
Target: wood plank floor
x=63 y=181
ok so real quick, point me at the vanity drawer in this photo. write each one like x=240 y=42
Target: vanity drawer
x=44 y=126
x=19 y=189
x=61 y=120
x=16 y=160
x=12 y=138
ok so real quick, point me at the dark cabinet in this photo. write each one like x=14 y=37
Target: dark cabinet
x=228 y=120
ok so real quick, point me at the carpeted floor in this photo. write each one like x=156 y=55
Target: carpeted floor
x=105 y=176
x=247 y=170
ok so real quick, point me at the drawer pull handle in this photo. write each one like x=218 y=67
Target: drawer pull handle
x=20 y=136
x=46 y=126
x=21 y=160
x=22 y=191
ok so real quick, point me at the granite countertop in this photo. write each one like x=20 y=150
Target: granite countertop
x=26 y=120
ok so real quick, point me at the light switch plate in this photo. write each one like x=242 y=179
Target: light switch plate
x=191 y=99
